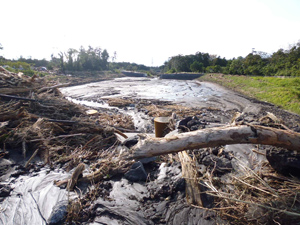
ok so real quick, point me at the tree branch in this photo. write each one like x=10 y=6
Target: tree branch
x=52 y=87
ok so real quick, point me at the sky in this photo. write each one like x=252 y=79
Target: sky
x=148 y=32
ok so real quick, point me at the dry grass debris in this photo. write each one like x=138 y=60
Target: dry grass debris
x=57 y=130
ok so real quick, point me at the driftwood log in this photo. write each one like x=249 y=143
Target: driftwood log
x=212 y=137
x=16 y=97
x=43 y=89
x=14 y=90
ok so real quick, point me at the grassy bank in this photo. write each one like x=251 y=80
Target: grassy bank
x=284 y=92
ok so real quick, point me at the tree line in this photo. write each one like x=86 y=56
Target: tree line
x=280 y=63
x=90 y=59
x=93 y=59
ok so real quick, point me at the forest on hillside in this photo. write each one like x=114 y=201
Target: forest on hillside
x=257 y=63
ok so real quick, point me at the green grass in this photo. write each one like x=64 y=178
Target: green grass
x=284 y=92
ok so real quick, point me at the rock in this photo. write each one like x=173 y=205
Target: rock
x=59 y=213
x=193 y=122
x=4 y=190
x=148 y=160
x=185 y=121
x=195 y=127
x=136 y=173
x=19 y=170
x=222 y=165
x=179 y=185
x=284 y=161
x=206 y=199
x=5 y=165
x=4 y=154
x=215 y=151
x=131 y=141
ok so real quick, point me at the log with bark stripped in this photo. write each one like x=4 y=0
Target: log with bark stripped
x=212 y=137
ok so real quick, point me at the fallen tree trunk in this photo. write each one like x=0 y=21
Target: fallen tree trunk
x=17 y=97
x=52 y=87
x=212 y=137
x=14 y=90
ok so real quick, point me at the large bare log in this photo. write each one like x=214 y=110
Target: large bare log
x=212 y=137
x=52 y=87
x=17 y=97
x=14 y=90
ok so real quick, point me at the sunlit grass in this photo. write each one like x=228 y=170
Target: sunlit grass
x=284 y=92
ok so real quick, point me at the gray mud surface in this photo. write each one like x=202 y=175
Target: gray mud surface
x=187 y=93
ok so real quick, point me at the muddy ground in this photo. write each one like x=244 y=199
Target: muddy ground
x=113 y=190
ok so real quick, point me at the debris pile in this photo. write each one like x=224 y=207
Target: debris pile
x=45 y=123
x=13 y=83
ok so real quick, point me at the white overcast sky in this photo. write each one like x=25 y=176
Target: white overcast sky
x=148 y=32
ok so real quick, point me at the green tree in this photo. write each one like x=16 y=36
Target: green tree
x=219 y=62
x=214 y=69
x=61 y=60
x=105 y=57
x=182 y=63
x=1 y=57
x=70 y=59
x=203 y=58
x=236 y=66
x=253 y=64
x=196 y=66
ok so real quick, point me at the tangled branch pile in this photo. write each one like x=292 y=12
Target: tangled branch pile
x=247 y=192
x=39 y=120
x=256 y=197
